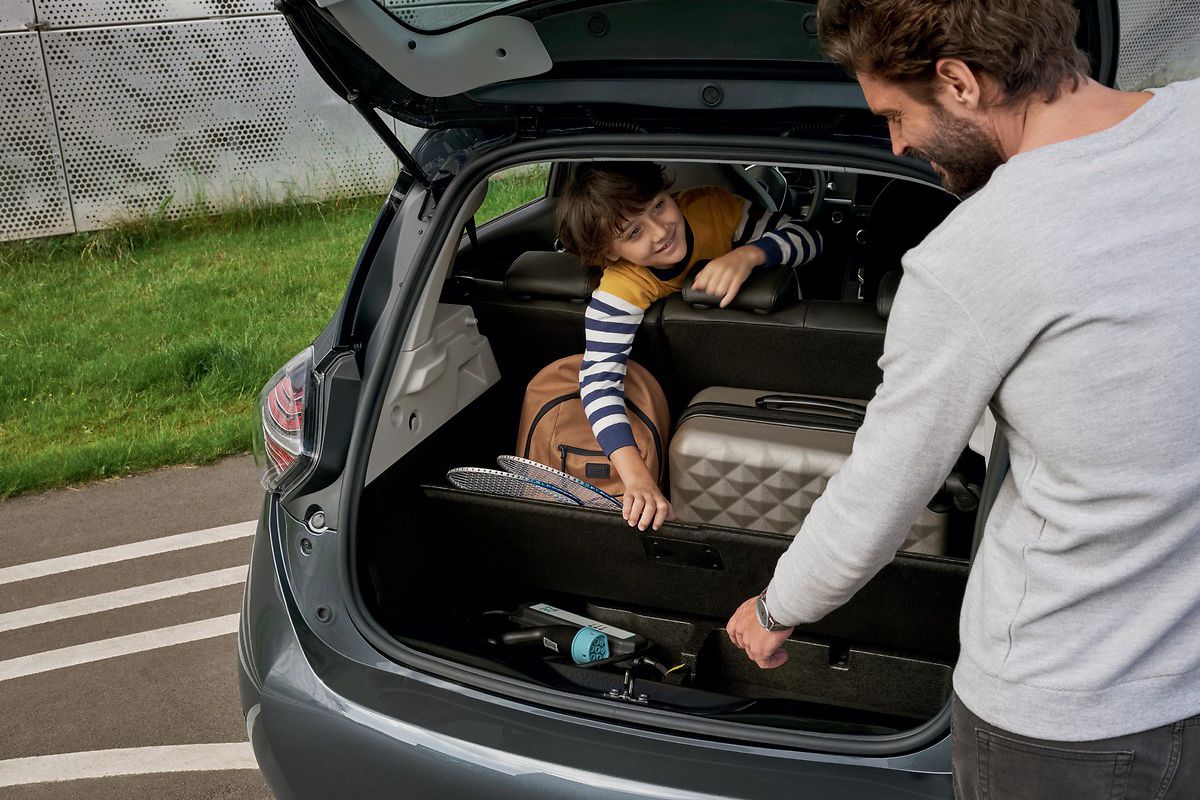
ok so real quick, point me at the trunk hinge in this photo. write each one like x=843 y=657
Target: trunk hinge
x=291 y=13
x=389 y=138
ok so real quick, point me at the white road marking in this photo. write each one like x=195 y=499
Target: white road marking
x=117 y=646
x=121 y=598
x=130 y=761
x=124 y=552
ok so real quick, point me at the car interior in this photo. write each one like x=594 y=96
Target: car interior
x=461 y=575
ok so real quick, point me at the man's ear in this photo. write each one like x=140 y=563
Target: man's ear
x=958 y=84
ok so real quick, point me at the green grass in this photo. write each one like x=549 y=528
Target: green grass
x=147 y=344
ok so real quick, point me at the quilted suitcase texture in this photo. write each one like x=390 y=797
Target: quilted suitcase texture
x=758 y=460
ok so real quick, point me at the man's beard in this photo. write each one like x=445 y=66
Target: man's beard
x=963 y=154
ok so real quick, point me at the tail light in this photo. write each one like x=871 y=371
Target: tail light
x=282 y=449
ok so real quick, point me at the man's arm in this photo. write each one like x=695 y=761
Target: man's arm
x=938 y=375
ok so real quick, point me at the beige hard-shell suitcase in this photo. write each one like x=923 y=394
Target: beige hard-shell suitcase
x=758 y=460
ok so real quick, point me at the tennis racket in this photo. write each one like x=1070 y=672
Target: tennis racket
x=506 y=484
x=582 y=491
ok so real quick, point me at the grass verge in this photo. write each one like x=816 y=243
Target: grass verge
x=147 y=344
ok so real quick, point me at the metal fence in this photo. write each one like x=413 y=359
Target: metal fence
x=135 y=107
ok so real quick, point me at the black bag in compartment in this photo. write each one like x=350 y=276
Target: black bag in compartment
x=745 y=458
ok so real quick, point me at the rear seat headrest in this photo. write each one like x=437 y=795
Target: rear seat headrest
x=553 y=275
x=886 y=295
x=763 y=292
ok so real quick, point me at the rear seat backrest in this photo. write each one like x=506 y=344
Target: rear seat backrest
x=552 y=276
x=812 y=347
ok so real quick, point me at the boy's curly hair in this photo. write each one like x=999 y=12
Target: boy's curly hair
x=598 y=198
x=1026 y=46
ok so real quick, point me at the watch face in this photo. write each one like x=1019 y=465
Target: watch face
x=760 y=610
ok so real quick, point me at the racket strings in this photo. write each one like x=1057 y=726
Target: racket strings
x=530 y=480
x=589 y=495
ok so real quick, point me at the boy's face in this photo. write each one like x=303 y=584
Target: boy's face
x=654 y=238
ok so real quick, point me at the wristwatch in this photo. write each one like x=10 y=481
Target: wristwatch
x=764 y=616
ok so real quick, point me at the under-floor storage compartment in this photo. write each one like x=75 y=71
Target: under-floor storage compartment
x=879 y=664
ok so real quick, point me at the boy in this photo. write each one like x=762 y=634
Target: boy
x=619 y=216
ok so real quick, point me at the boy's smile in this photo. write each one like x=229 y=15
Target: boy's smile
x=657 y=237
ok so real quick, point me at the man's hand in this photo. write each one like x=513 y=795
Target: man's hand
x=761 y=645
x=644 y=504
x=724 y=276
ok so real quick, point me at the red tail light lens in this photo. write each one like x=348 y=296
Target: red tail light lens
x=281 y=450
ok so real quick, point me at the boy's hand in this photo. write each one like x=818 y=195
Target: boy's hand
x=724 y=276
x=644 y=504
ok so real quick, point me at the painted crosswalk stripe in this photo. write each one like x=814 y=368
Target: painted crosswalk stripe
x=125 y=552
x=121 y=598
x=117 y=646
x=129 y=761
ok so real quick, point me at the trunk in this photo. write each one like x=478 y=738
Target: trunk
x=880 y=664
x=468 y=577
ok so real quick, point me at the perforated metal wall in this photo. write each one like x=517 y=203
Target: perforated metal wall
x=75 y=13
x=33 y=191
x=16 y=15
x=107 y=120
x=208 y=112
x=1160 y=42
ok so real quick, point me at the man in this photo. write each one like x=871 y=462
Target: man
x=1065 y=293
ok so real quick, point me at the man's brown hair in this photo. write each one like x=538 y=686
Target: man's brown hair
x=599 y=197
x=1027 y=47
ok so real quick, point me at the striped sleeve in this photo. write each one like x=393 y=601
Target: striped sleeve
x=610 y=324
x=786 y=241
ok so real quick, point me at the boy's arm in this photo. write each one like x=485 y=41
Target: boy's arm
x=610 y=325
x=763 y=239
x=783 y=240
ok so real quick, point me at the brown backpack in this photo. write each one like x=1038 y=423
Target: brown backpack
x=555 y=431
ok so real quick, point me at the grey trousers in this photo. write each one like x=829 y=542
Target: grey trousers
x=993 y=764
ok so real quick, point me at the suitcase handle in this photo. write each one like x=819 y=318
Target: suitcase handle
x=795 y=402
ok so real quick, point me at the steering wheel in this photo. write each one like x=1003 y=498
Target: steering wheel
x=815 y=195
x=768 y=185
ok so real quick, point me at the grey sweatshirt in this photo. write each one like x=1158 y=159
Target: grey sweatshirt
x=1065 y=294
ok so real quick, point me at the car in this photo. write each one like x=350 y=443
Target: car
x=376 y=648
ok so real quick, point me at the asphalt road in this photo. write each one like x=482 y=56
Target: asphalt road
x=122 y=663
